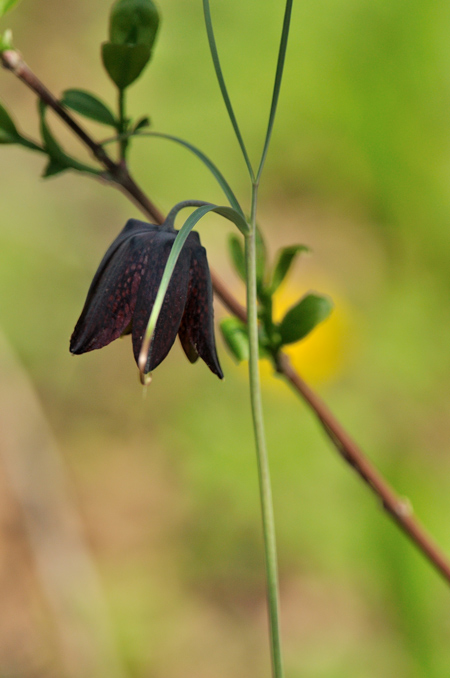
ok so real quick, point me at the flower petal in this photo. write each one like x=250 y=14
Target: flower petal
x=173 y=306
x=188 y=346
x=111 y=299
x=197 y=326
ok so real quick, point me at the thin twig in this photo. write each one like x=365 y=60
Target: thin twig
x=117 y=172
x=399 y=508
x=118 y=175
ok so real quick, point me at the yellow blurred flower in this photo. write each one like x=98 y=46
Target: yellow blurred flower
x=319 y=357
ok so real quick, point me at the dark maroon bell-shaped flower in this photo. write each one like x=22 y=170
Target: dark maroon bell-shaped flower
x=123 y=291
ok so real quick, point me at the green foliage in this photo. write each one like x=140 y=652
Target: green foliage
x=6 y=40
x=261 y=258
x=140 y=124
x=89 y=106
x=9 y=133
x=133 y=22
x=7 y=5
x=235 y=336
x=8 y=130
x=59 y=161
x=303 y=317
x=132 y=32
x=285 y=258
x=124 y=63
x=237 y=254
x=298 y=322
x=207 y=163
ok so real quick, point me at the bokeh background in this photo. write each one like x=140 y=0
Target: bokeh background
x=130 y=543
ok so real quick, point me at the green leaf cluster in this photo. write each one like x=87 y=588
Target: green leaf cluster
x=235 y=336
x=300 y=319
x=133 y=27
x=89 y=106
x=9 y=133
x=59 y=160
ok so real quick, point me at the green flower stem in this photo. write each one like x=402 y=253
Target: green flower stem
x=261 y=450
x=277 y=84
x=123 y=142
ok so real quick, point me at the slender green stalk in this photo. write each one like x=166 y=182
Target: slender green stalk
x=123 y=142
x=261 y=450
x=206 y=161
x=202 y=209
x=223 y=87
x=277 y=84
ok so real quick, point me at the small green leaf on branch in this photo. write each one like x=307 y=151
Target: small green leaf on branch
x=133 y=22
x=88 y=105
x=235 y=336
x=261 y=258
x=141 y=124
x=124 y=63
x=237 y=255
x=8 y=130
x=133 y=27
x=284 y=261
x=303 y=317
x=9 y=133
x=58 y=159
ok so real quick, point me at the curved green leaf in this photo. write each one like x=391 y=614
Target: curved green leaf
x=302 y=318
x=58 y=159
x=141 y=124
x=285 y=259
x=124 y=63
x=237 y=255
x=223 y=87
x=133 y=22
x=235 y=336
x=177 y=246
x=277 y=83
x=206 y=161
x=9 y=133
x=88 y=105
x=261 y=257
x=7 y=125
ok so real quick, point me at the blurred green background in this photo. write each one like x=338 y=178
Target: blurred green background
x=164 y=488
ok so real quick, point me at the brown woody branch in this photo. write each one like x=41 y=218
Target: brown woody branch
x=118 y=174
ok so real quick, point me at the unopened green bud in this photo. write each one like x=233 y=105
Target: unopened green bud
x=133 y=22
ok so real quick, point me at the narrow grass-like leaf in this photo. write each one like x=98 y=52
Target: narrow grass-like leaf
x=303 y=317
x=237 y=255
x=206 y=161
x=88 y=105
x=235 y=336
x=222 y=85
x=183 y=233
x=285 y=258
x=277 y=84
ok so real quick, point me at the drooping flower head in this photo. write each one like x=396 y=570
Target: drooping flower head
x=124 y=288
